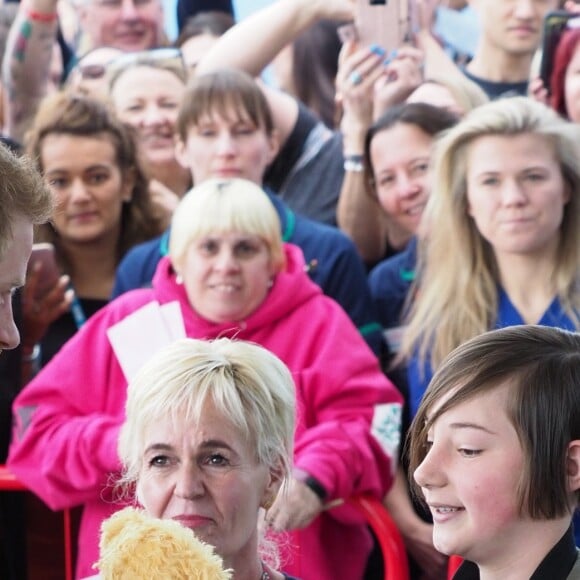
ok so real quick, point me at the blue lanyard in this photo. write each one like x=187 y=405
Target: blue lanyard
x=77 y=310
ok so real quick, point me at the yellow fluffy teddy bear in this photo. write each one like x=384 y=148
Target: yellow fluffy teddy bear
x=136 y=546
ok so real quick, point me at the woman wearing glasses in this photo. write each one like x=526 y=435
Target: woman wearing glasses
x=89 y=76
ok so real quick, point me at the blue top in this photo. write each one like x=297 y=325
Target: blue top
x=389 y=282
x=330 y=255
x=419 y=378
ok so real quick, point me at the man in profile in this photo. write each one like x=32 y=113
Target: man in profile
x=25 y=201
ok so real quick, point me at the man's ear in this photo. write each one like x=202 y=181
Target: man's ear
x=573 y=466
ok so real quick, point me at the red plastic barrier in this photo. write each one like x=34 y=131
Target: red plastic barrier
x=8 y=482
x=454 y=563
x=387 y=534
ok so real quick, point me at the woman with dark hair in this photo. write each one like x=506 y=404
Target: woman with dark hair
x=89 y=160
x=102 y=209
x=397 y=157
x=397 y=152
x=369 y=89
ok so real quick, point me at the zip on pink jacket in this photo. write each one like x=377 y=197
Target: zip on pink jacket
x=68 y=418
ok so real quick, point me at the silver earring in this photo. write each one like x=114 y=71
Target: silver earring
x=179 y=279
x=270 y=283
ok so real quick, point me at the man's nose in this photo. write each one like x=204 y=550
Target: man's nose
x=9 y=335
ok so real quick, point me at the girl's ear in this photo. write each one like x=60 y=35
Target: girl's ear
x=573 y=466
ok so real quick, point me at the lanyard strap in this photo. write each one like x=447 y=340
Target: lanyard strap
x=77 y=310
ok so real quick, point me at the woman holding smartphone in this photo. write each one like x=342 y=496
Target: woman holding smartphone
x=102 y=208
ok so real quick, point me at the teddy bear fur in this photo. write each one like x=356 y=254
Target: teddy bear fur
x=134 y=546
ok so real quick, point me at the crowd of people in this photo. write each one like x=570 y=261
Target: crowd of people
x=289 y=267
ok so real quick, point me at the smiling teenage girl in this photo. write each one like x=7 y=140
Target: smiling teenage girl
x=495 y=450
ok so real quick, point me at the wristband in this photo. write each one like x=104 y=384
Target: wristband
x=314 y=485
x=40 y=16
x=354 y=163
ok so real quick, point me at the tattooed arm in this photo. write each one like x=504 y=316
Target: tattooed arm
x=26 y=64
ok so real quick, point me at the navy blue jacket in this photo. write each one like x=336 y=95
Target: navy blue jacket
x=332 y=259
x=390 y=282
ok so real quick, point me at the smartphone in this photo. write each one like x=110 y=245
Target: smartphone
x=384 y=22
x=43 y=253
x=555 y=23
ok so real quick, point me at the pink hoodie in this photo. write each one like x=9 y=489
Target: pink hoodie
x=68 y=418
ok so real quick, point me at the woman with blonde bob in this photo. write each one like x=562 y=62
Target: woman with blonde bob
x=240 y=398
x=502 y=415
x=231 y=276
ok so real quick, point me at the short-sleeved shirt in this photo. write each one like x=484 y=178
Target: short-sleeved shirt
x=498 y=90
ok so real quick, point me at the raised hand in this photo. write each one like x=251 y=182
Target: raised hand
x=400 y=78
x=358 y=71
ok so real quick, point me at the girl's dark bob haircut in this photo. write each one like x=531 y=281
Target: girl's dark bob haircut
x=541 y=365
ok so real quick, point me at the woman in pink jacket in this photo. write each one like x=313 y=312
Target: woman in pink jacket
x=231 y=276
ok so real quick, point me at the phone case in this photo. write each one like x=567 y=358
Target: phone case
x=49 y=274
x=555 y=23
x=384 y=22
